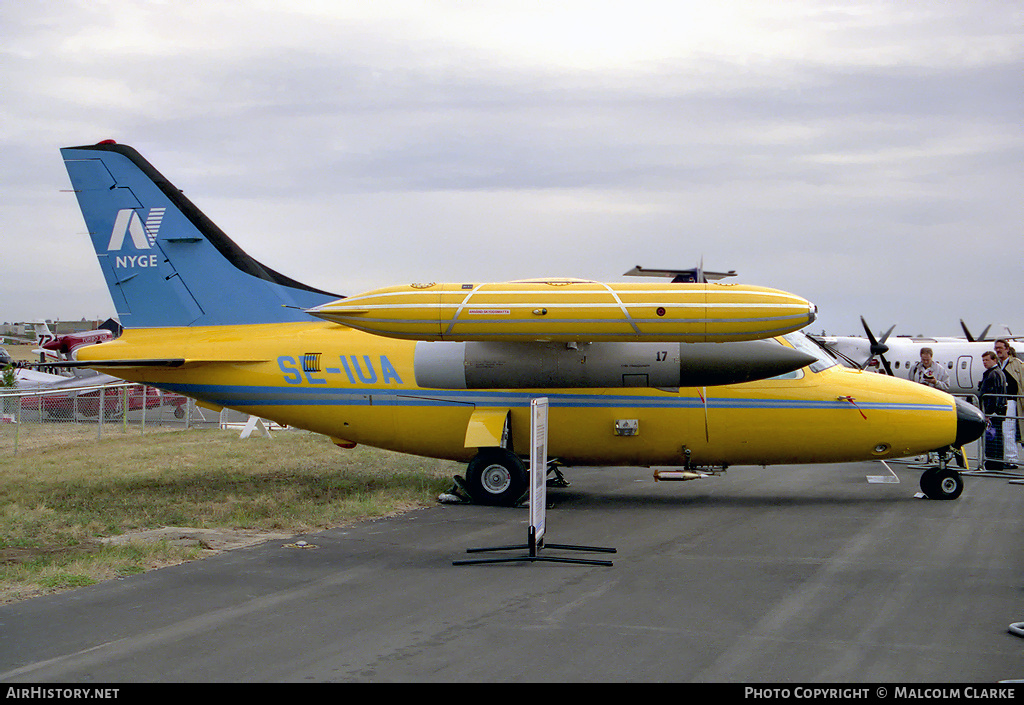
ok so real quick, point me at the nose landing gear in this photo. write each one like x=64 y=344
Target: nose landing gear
x=941 y=481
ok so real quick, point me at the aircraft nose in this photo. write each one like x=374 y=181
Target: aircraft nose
x=970 y=423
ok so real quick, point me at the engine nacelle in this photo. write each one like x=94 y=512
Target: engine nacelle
x=498 y=365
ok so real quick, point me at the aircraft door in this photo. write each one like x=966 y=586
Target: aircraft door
x=964 y=363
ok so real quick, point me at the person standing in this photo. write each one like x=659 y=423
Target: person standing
x=1013 y=371
x=993 y=405
x=930 y=373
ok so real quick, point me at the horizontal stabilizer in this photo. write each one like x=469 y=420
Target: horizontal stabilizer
x=149 y=362
x=170 y=362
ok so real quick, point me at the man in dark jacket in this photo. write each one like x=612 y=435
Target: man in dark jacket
x=993 y=383
x=1013 y=370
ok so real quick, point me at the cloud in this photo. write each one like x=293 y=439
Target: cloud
x=862 y=154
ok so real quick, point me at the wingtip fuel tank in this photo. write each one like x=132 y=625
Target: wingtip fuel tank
x=572 y=310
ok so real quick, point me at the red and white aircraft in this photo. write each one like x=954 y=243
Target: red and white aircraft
x=63 y=347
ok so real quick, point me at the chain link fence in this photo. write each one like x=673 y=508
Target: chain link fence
x=47 y=417
x=1001 y=448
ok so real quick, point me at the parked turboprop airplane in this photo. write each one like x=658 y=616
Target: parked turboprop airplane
x=448 y=370
x=54 y=346
x=896 y=355
x=67 y=344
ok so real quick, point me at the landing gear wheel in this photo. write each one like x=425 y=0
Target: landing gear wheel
x=496 y=477
x=942 y=483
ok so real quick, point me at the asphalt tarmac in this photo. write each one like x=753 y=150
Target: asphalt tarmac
x=787 y=574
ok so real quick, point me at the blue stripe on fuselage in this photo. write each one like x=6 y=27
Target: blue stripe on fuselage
x=246 y=396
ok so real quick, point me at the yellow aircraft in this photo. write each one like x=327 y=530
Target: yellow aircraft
x=448 y=370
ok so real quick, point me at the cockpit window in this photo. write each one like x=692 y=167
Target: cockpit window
x=805 y=345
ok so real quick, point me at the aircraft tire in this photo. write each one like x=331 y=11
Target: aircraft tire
x=942 y=484
x=496 y=477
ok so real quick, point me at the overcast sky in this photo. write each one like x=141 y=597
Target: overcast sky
x=864 y=155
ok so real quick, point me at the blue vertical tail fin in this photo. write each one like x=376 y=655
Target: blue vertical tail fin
x=165 y=263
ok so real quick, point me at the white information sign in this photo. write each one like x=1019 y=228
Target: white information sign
x=539 y=501
x=538 y=467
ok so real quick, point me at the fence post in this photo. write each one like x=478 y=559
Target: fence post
x=17 y=423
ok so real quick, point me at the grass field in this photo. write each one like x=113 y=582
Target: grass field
x=21 y=353
x=57 y=503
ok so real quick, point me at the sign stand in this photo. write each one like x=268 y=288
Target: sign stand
x=538 y=505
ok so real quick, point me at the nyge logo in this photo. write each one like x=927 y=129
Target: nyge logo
x=129 y=222
x=143 y=235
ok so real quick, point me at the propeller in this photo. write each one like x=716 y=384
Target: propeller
x=971 y=338
x=878 y=347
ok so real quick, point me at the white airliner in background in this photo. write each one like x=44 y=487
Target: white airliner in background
x=896 y=356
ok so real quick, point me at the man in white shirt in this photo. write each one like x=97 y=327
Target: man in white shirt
x=930 y=373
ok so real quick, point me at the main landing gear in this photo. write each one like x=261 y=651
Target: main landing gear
x=499 y=478
x=496 y=476
x=941 y=481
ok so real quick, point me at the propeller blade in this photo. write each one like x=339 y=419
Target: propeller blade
x=886 y=365
x=878 y=347
x=867 y=330
x=970 y=338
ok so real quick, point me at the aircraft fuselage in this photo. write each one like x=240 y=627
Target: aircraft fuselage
x=360 y=388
